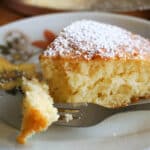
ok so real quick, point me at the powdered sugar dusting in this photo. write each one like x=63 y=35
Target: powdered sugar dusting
x=90 y=38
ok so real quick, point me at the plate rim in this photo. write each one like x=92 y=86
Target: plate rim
x=115 y=15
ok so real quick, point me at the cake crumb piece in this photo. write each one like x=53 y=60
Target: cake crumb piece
x=38 y=110
x=68 y=117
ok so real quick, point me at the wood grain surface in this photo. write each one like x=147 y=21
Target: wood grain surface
x=8 y=15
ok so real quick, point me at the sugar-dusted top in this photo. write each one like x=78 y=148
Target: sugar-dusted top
x=89 y=39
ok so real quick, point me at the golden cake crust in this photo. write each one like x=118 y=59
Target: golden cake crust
x=33 y=121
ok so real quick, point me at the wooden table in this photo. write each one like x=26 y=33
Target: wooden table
x=7 y=15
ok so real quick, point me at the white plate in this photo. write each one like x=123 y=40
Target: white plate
x=122 y=131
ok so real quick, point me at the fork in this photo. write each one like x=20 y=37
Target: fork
x=89 y=114
x=83 y=114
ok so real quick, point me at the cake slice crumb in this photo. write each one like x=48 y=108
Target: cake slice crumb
x=38 y=110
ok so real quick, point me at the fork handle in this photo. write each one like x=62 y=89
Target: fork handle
x=136 y=107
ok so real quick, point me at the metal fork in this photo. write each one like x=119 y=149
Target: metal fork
x=84 y=115
x=91 y=114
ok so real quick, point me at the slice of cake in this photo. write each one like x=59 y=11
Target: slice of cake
x=98 y=63
x=38 y=110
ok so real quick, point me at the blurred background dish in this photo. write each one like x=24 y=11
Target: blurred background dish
x=32 y=7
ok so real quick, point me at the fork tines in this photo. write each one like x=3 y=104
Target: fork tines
x=69 y=112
